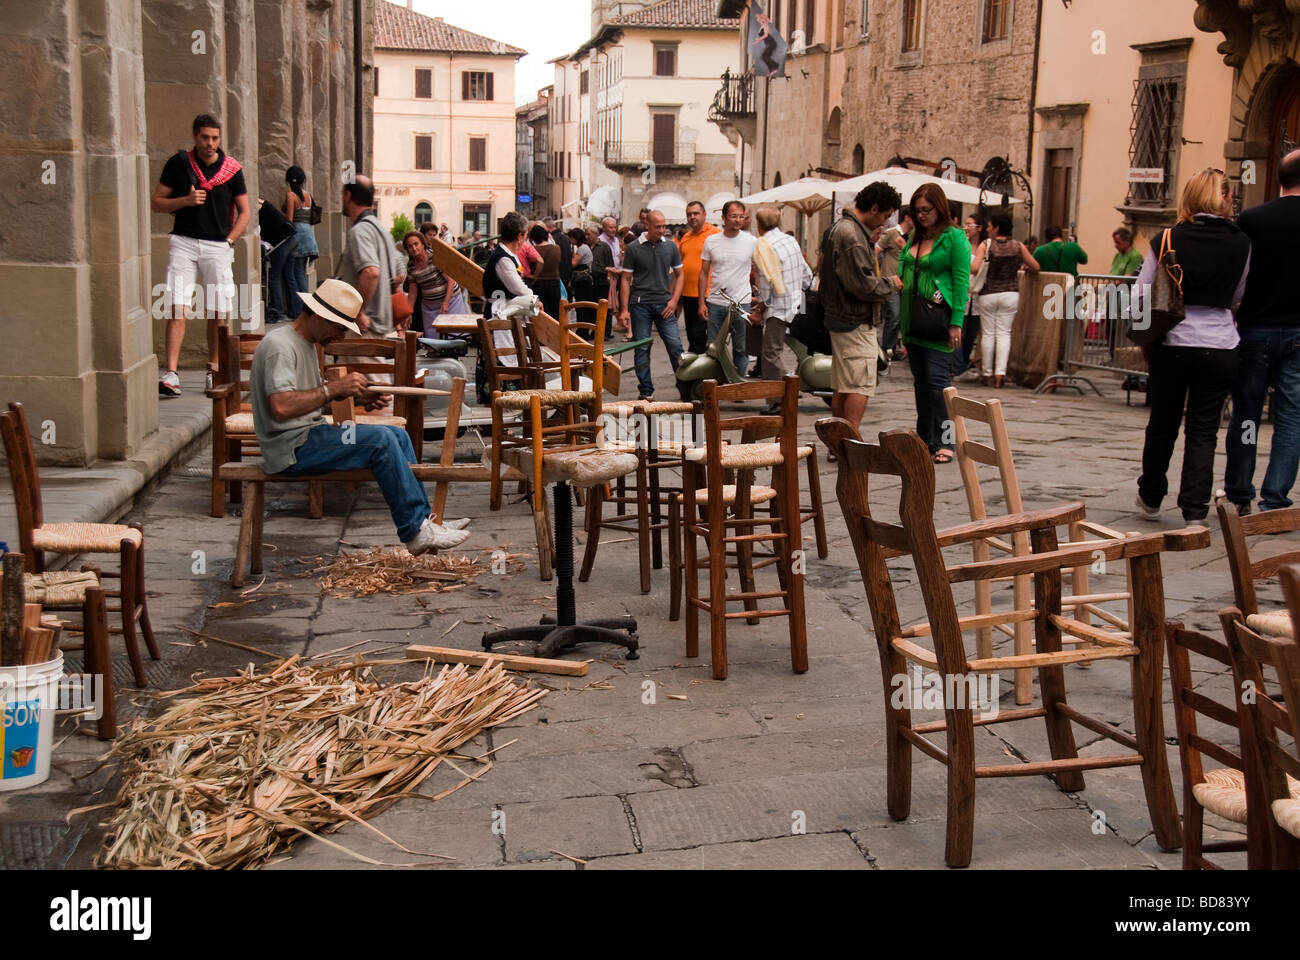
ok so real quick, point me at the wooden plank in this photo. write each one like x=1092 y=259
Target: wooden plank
x=567 y=668
x=1088 y=632
x=396 y=391
x=1055 y=658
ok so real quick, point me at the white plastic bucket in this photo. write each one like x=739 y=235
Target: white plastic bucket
x=29 y=697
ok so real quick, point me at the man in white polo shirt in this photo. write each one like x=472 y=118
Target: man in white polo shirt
x=725 y=262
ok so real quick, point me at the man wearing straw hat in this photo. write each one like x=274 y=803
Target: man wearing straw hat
x=288 y=397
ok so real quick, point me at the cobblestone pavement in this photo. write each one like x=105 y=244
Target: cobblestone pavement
x=765 y=769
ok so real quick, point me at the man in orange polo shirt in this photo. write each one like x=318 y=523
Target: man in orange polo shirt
x=691 y=243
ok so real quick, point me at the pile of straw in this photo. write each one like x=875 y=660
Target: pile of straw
x=380 y=571
x=247 y=764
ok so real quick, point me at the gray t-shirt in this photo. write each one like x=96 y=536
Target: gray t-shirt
x=370 y=245
x=651 y=266
x=283 y=361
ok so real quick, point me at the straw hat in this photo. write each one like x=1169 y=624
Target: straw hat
x=337 y=302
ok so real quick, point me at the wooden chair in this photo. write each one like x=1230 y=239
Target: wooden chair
x=997 y=453
x=383 y=357
x=704 y=504
x=36 y=536
x=1246 y=571
x=1265 y=715
x=573 y=421
x=233 y=435
x=636 y=428
x=1232 y=790
x=902 y=454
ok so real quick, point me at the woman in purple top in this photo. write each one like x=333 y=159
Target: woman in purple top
x=1195 y=366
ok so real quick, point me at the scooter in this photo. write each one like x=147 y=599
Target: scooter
x=714 y=363
x=811 y=346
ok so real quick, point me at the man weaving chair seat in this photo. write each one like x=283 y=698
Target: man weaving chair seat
x=288 y=397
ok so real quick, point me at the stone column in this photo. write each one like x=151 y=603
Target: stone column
x=73 y=258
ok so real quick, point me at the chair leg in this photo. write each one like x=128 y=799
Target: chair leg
x=542 y=530
x=1051 y=679
x=1194 y=832
x=99 y=661
x=217 y=507
x=257 y=502
x=498 y=428
x=793 y=526
x=1148 y=718
x=819 y=512
x=643 y=523
x=656 y=510
x=716 y=513
x=142 y=607
x=315 y=499
x=235 y=454
x=595 y=510
x=539 y=492
x=960 y=835
x=674 y=559
x=745 y=549
x=898 y=749
x=130 y=578
x=690 y=569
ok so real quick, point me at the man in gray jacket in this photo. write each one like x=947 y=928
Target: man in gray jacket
x=852 y=293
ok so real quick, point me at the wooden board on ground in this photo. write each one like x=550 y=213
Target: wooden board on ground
x=469 y=275
x=568 y=668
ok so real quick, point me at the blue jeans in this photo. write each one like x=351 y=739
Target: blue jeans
x=277 y=270
x=931 y=375
x=890 y=339
x=386 y=452
x=1268 y=357
x=645 y=316
x=739 y=338
x=297 y=284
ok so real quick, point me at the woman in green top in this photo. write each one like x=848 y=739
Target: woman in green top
x=943 y=254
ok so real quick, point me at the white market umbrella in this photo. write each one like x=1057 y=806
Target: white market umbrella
x=713 y=207
x=604 y=202
x=907 y=181
x=807 y=195
x=670 y=205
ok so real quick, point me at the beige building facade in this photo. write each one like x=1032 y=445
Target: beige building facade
x=444 y=122
x=1124 y=87
x=83 y=260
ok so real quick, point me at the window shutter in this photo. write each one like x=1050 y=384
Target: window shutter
x=423 y=84
x=464 y=84
x=423 y=153
x=477 y=153
x=489 y=87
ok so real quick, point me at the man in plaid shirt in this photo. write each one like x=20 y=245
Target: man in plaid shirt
x=782 y=277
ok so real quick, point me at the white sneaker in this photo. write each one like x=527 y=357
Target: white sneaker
x=169 y=385
x=461 y=524
x=1148 y=512
x=433 y=536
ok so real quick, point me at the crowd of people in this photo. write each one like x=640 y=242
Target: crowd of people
x=893 y=281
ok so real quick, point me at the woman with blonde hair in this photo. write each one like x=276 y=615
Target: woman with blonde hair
x=1194 y=367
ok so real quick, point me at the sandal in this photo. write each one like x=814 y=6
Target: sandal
x=943 y=456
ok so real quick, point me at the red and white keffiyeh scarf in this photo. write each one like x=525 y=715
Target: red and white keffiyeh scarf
x=229 y=167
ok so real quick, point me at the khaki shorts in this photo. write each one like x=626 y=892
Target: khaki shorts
x=853 y=360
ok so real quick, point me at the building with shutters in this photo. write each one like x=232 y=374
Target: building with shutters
x=444 y=127
x=532 y=149
x=629 y=116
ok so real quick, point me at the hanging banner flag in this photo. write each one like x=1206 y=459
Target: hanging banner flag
x=765 y=44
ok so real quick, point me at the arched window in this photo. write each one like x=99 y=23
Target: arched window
x=832 y=148
x=859 y=160
x=423 y=213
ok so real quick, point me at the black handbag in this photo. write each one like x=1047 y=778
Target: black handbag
x=930 y=319
x=1165 y=300
x=315 y=215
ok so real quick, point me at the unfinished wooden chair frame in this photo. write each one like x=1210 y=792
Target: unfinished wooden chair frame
x=901 y=453
x=233 y=436
x=1233 y=790
x=563 y=419
x=1244 y=568
x=704 y=505
x=383 y=357
x=35 y=537
x=997 y=454
x=1265 y=715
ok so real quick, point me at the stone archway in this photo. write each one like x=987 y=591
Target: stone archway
x=1272 y=122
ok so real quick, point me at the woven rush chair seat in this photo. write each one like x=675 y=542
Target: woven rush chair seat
x=664 y=448
x=1224 y=792
x=84 y=537
x=1287 y=815
x=757 y=494
x=58 y=589
x=1274 y=624
x=241 y=423
x=581 y=468
x=648 y=407
x=522 y=399
x=747 y=456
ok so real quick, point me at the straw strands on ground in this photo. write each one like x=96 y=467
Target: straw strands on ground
x=247 y=764
x=382 y=571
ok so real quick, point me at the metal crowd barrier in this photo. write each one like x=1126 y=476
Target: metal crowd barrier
x=1098 y=311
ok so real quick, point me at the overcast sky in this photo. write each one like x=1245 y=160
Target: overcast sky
x=545 y=29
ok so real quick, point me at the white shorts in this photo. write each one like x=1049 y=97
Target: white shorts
x=200 y=276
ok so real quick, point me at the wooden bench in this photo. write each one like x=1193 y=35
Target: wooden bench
x=250 y=525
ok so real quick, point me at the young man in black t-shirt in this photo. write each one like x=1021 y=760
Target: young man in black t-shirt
x=204 y=189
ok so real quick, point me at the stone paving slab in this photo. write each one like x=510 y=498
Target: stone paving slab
x=816 y=851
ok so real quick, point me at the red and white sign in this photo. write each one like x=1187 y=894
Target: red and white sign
x=1146 y=175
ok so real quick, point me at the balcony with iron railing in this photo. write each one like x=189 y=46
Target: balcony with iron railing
x=661 y=153
x=735 y=98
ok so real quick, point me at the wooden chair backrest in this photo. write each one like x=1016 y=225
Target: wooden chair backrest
x=587 y=355
x=1264 y=715
x=902 y=454
x=996 y=454
x=1189 y=701
x=784 y=425
x=24 y=478
x=1245 y=570
x=496 y=355
x=235 y=364
x=370 y=356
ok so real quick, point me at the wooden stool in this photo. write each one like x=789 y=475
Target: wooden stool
x=703 y=470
